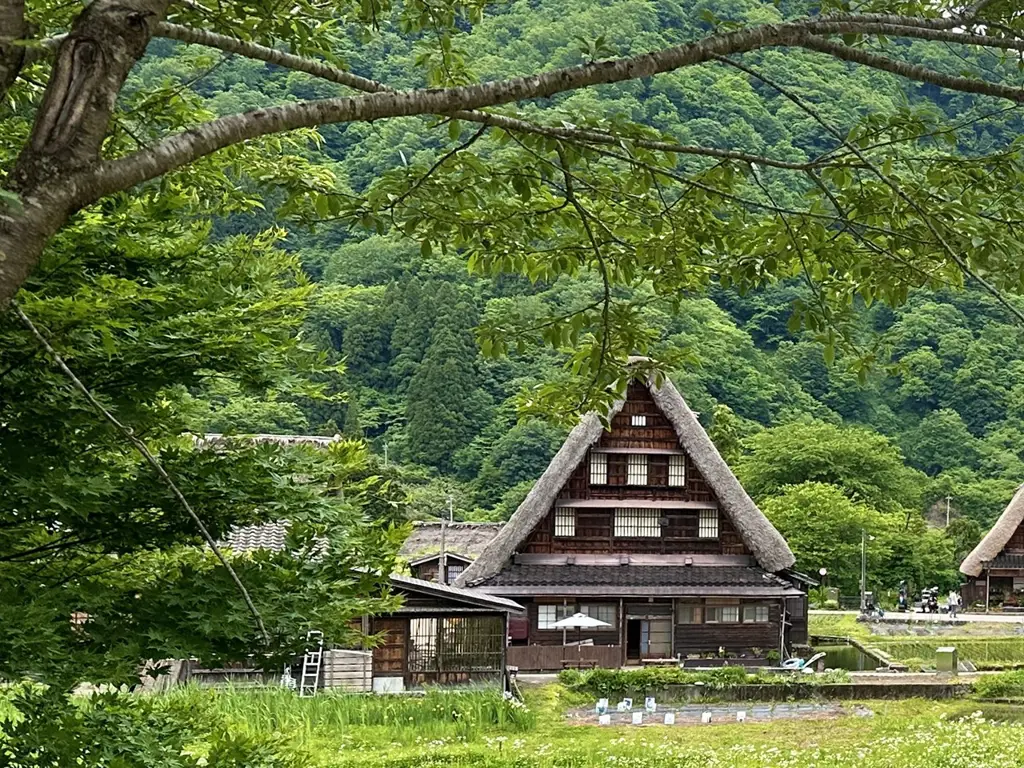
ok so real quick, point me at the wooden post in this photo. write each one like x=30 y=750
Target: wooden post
x=622 y=632
x=988 y=588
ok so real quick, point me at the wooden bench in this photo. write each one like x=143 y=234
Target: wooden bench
x=659 y=662
x=579 y=664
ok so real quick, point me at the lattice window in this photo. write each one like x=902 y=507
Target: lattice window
x=707 y=527
x=637 y=523
x=565 y=522
x=677 y=470
x=636 y=469
x=638 y=420
x=454 y=571
x=688 y=613
x=547 y=615
x=755 y=614
x=722 y=614
x=605 y=612
x=466 y=644
x=599 y=469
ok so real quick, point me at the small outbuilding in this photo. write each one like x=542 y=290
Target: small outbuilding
x=434 y=545
x=995 y=568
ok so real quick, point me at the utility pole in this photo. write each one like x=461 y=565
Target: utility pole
x=863 y=569
x=385 y=453
x=443 y=573
x=948 y=499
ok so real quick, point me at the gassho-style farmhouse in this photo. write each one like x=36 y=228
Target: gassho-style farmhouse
x=640 y=525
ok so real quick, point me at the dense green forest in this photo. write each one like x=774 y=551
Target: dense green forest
x=929 y=389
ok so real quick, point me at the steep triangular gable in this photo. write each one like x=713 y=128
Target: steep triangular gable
x=994 y=541
x=758 y=534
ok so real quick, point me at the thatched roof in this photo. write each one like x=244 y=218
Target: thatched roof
x=996 y=539
x=271 y=537
x=762 y=539
x=317 y=441
x=465 y=539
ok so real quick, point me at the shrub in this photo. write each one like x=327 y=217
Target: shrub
x=54 y=730
x=1001 y=685
x=625 y=682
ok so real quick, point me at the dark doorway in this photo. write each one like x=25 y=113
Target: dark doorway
x=634 y=631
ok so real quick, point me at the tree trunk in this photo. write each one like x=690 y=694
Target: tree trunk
x=12 y=27
x=91 y=65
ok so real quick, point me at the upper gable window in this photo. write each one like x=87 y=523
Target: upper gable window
x=565 y=522
x=638 y=420
x=707 y=526
x=677 y=470
x=599 y=469
x=637 y=523
x=636 y=469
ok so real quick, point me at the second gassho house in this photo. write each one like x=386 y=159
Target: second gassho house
x=646 y=528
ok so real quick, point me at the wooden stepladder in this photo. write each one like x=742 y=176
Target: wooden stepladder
x=311 y=663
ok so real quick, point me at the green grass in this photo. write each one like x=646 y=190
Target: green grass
x=1002 y=650
x=410 y=732
x=839 y=625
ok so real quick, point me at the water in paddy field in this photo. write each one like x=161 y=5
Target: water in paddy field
x=847 y=657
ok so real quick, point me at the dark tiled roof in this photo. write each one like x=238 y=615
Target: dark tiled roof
x=1006 y=561
x=252 y=537
x=633 y=576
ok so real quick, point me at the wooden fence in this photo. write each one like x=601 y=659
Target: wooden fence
x=549 y=658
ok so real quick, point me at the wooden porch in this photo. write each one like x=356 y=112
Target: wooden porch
x=551 y=658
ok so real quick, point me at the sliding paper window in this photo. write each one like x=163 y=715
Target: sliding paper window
x=708 y=524
x=636 y=469
x=677 y=470
x=565 y=522
x=637 y=523
x=599 y=469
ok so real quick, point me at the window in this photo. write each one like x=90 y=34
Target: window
x=599 y=469
x=549 y=614
x=707 y=527
x=755 y=614
x=454 y=571
x=722 y=614
x=677 y=470
x=688 y=613
x=602 y=612
x=637 y=523
x=636 y=469
x=565 y=522
x=638 y=420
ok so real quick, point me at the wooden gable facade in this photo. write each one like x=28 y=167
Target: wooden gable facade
x=636 y=492
x=634 y=527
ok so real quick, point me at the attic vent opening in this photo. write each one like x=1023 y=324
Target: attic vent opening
x=638 y=420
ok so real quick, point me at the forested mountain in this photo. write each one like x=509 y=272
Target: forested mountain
x=930 y=389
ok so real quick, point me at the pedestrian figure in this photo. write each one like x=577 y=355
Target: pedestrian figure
x=953 y=603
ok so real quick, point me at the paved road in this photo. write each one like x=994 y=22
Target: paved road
x=963 y=618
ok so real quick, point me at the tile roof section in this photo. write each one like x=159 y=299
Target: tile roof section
x=249 y=538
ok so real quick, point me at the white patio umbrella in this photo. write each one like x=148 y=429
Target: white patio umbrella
x=579 y=622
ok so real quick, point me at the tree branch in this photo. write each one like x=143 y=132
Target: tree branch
x=956 y=258
x=210 y=137
x=150 y=459
x=914 y=71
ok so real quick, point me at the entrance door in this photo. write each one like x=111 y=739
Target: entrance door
x=389 y=656
x=648 y=639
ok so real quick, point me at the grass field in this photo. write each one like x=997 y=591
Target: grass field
x=977 y=642
x=344 y=732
